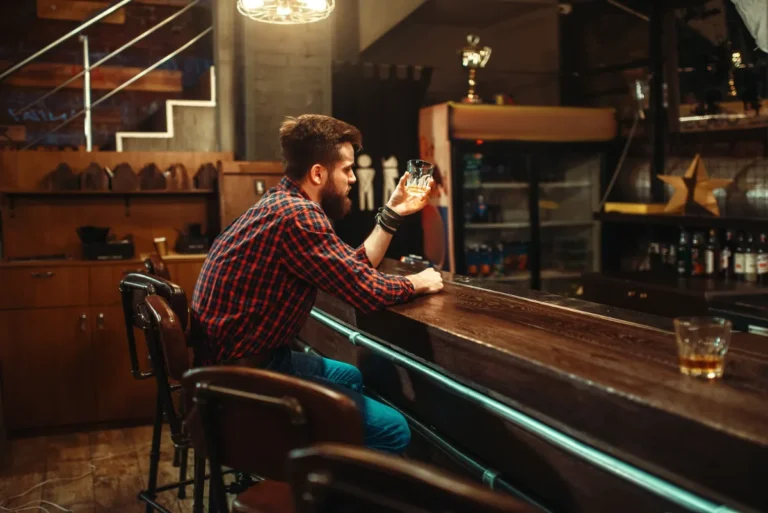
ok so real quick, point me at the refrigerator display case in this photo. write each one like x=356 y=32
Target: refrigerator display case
x=516 y=188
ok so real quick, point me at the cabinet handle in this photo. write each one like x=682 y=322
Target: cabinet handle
x=100 y=321
x=38 y=274
x=83 y=322
x=631 y=293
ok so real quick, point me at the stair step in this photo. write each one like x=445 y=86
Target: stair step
x=47 y=75
x=76 y=10
x=16 y=133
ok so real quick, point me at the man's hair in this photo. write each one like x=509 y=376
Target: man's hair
x=314 y=139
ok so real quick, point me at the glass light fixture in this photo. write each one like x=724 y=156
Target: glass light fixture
x=286 y=12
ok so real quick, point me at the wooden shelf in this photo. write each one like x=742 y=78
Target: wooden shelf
x=33 y=192
x=737 y=223
x=126 y=197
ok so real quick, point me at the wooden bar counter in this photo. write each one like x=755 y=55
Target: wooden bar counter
x=606 y=377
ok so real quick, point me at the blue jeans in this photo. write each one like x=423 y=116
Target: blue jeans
x=385 y=428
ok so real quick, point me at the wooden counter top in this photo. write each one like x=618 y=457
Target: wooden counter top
x=171 y=257
x=605 y=376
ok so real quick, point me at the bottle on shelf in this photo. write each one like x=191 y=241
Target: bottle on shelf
x=762 y=259
x=750 y=260
x=726 y=256
x=697 y=255
x=711 y=256
x=683 y=256
x=739 y=258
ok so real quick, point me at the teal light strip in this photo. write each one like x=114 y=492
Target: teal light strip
x=597 y=458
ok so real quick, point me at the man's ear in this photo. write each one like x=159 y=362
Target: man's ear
x=317 y=175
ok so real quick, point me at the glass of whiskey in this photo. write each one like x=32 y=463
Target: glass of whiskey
x=701 y=345
x=419 y=173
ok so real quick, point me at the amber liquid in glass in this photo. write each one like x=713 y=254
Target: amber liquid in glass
x=416 y=190
x=702 y=365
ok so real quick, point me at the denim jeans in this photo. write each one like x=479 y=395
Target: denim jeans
x=385 y=429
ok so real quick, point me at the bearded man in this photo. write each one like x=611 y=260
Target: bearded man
x=260 y=279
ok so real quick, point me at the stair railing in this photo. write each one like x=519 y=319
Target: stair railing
x=88 y=105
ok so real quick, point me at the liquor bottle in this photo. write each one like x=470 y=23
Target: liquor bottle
x=762 y=260
x=654 y=257
x=683 y=256
x=739 y=257
x=726 y=257
x=711 y=260
x=750 y=260
x=697 y=255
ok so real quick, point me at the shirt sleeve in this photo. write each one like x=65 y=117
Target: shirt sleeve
x=316 y=254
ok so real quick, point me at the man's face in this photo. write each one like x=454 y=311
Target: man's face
x=334 y=195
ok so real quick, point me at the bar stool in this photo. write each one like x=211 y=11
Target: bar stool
x=334 y=477
x=167 y=367
x=249 y=419
x=154 y=264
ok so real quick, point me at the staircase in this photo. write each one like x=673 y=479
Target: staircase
x=190 y=125
x=40 y=110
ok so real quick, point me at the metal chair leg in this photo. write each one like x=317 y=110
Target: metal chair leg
x=199 y=486
x=183 y=472
x=154 y=454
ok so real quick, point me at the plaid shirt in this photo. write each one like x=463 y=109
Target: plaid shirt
x=260 y=279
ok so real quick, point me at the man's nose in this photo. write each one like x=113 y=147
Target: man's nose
x=352 y=177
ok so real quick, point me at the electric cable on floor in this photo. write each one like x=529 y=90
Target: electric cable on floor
x=39 y=502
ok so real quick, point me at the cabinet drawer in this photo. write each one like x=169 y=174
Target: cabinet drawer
x=43 y=286
x=105 y=280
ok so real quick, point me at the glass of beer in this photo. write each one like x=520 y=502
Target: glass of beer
x=419 y=173
x=701 y=345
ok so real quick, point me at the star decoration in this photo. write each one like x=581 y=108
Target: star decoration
x=694 y=189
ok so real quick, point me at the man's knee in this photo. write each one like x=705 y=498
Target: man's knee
x=348 y=375
x=389 y=432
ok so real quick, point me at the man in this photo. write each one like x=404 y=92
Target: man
x=261 y=276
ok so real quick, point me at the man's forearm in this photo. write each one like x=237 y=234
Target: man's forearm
x=376 y=245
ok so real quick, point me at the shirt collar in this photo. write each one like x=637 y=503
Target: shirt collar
x=293 y=187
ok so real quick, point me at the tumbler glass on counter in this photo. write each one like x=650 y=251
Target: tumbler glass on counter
x=702 y=343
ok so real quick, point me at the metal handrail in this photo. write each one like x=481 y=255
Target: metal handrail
x=593 y=456
x=109 y=56
x=76 y=31
x=121 y=87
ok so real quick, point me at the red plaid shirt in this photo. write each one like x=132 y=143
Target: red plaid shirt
x=260 y=279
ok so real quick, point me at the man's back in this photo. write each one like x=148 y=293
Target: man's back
x=245 y=299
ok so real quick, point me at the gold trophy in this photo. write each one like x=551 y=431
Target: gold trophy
x=472 y=58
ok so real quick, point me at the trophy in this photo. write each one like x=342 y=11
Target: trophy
x=472 y=58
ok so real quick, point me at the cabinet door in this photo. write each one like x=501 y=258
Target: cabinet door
x=118 y=395
x=105 y=281
x=239 y=191
x=47 y=367
x=185 y=274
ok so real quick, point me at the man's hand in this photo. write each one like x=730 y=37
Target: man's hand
x=403 y=203
x=427 y=281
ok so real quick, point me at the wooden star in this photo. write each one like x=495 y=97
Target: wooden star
x=695 y=189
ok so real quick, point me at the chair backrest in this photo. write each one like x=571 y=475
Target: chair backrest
x=166 y=326
x=154 y=264
x=152 y=317
x=249 y=419
x=335 y=477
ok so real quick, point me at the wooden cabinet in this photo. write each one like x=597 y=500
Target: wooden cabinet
x=118 y=395
x=185 y=274
x=47 y=367
x=64 y=357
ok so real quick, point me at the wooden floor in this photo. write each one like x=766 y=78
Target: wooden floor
x=91 y=472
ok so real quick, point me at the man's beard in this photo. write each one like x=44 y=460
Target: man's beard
x=335 y=204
